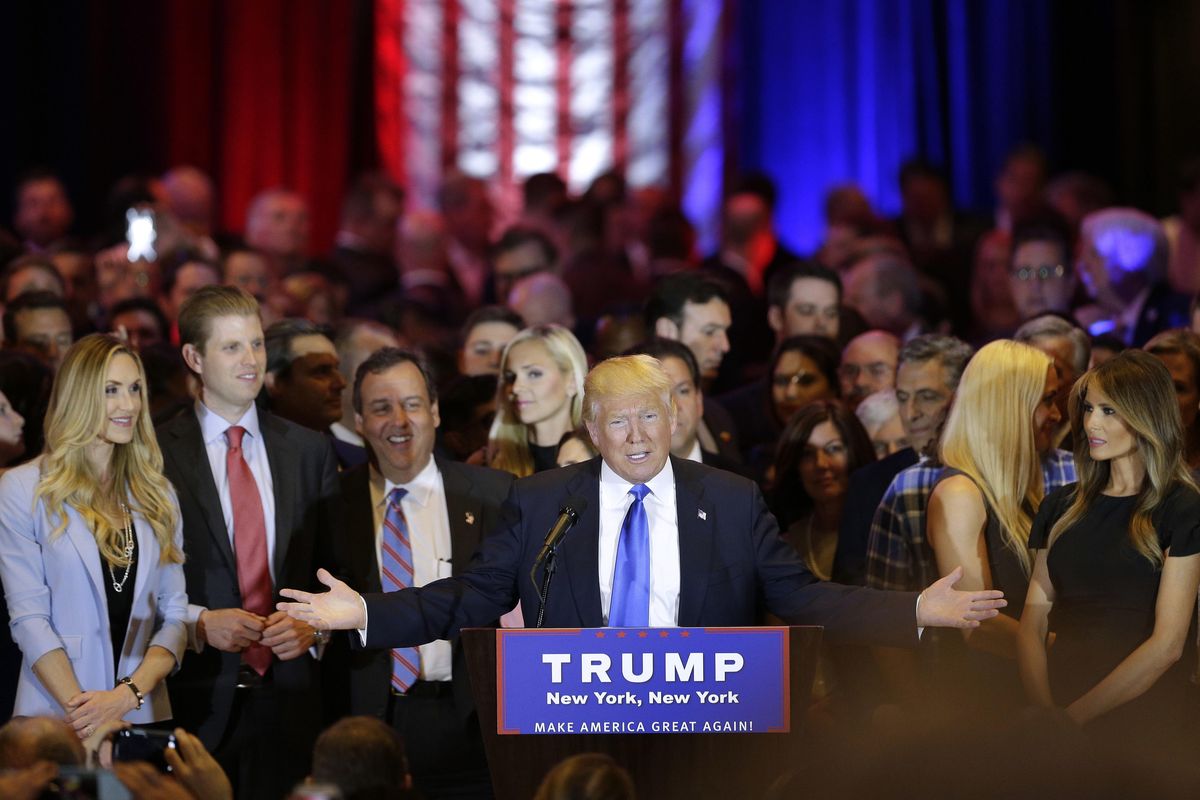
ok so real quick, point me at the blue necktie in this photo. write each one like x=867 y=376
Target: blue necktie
x=396 y=564
x=630 y=604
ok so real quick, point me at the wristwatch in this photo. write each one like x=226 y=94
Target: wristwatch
x=128 y=681
x=320 y=637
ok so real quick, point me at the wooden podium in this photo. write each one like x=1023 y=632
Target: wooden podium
x=663 y=765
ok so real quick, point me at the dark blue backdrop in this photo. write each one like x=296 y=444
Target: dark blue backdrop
x=834 y=91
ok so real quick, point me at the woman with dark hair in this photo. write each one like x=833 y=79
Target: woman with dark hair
x=1179 y=350
x=1117 y=562
x=821 y=445
x=25 y=382
x=803 y=369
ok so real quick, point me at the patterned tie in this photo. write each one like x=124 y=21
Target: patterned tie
x=249 y=543
x=396 y=555
x=630 y=605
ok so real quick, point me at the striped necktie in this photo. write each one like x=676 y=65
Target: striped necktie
x=396 y=564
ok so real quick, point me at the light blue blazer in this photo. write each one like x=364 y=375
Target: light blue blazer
x=56 y=599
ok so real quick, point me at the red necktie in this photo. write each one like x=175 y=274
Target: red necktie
x=249 y=542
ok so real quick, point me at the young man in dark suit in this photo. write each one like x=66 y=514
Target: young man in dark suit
x=258 y=498
x=445 y=508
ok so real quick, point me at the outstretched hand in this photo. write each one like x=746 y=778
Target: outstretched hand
x=341 y=608
x=943 y=606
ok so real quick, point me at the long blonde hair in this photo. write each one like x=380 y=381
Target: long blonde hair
x=1143 y=395
x=508 y=441
x=74 y=419
x=990 y=435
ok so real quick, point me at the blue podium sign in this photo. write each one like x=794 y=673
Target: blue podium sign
x=634 y=680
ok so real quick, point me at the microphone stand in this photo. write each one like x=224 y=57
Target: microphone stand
x=548 y=575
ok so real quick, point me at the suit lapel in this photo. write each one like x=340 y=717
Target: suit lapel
x=285 y=465
x=579 y=552
x=360 y=527
x=465 y=513
x=147 y=557
x=191 y=459
x=696 y=522
x=85 y=545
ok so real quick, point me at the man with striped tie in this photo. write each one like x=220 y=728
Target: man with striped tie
x=410 y=519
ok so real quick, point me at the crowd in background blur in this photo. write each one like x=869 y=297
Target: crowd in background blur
x=907 y=396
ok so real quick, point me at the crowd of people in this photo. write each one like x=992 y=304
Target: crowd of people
x=193 y=420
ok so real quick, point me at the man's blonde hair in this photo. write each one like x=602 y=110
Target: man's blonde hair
x=626 y=376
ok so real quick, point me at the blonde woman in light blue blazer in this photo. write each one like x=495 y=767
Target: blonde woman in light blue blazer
x=90 y=530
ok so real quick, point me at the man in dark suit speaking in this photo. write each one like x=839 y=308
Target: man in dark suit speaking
x=660 y=541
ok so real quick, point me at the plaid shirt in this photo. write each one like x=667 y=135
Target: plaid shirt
x=898 y=554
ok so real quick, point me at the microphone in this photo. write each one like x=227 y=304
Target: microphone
x=568 y=515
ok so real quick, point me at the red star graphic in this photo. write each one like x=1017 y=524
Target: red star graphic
x=621 y=635
x=599 y=634
x=663 y=634
x=642 y=634
x=685 y=634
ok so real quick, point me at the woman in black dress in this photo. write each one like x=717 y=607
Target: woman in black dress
x=1117 y=565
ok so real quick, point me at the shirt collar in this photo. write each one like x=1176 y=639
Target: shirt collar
x=694 y=454
x=213 y=425
x=420 y=489
x=613 y=487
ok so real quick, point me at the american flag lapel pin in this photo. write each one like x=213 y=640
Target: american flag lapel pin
x=700 y=513
x=470 y=518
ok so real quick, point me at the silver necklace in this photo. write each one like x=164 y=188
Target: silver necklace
x=127 y=537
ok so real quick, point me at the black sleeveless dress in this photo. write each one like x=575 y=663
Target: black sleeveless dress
x=979 y=681
x=1105 y=596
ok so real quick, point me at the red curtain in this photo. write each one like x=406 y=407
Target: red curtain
x=259 y=95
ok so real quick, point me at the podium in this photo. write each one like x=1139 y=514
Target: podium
x=663 y=765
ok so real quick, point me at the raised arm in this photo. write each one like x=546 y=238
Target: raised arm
x=1145 y=665
x=956 y=522
x=1033 y=632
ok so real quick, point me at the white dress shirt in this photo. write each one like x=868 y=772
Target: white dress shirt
x=615 y=501
x=212 y=432
x=429 y=534
x=695 y=454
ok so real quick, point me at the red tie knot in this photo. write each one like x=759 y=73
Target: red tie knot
x=233 y=435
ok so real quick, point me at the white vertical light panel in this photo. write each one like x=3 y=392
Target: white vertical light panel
x=423 y=99
x=478 y=86
x=648 y=123
x=591 y=91
x=534 y=98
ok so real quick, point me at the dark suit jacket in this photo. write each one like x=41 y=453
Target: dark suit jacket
x=867 y=486
x=724 y=430
x=1163 y=310
x=733 y=566
x=304 y=477
x=473 y=499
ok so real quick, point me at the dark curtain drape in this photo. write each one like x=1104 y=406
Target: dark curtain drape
x=279 y=92
x=258 y=94
x=845 y=90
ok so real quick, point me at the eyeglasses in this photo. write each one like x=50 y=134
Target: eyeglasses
x=804 y=379
x=834 y=449
x=1043 y=272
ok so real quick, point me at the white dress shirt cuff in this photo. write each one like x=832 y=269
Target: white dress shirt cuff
x=362 y=632
x=920 y=630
